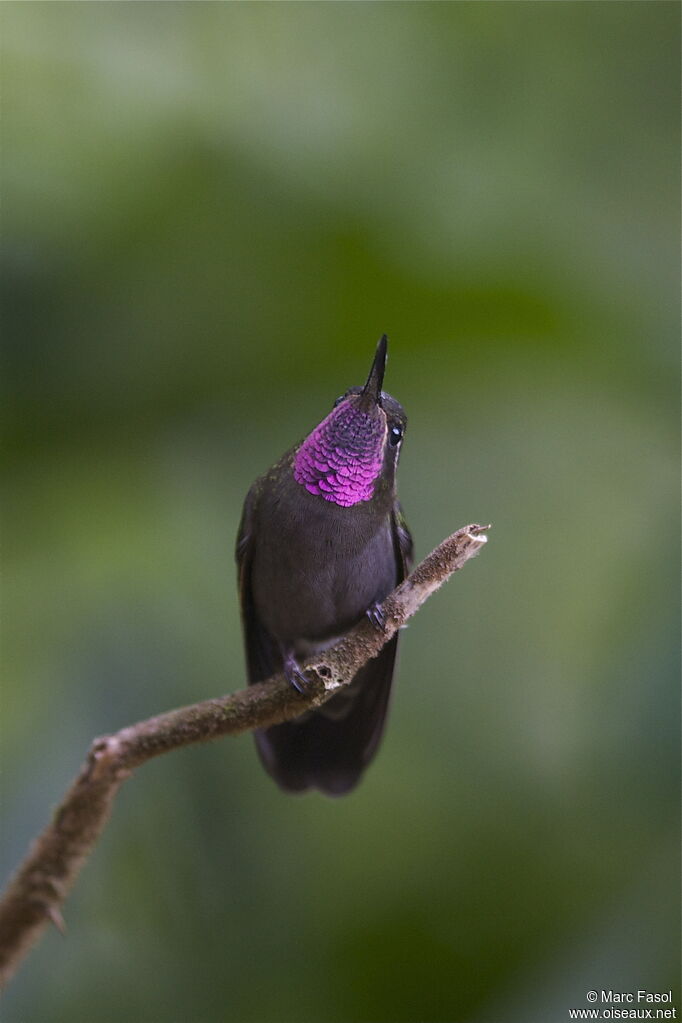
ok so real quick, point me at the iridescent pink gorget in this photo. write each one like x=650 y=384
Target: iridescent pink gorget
x=342 y=458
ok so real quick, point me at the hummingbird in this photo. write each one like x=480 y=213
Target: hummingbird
x=322 y=541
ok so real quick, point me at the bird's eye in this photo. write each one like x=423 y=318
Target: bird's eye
x=395 y=435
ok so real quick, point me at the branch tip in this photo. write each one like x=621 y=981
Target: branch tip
x=57 y=919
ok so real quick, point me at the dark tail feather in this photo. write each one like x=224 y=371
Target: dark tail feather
x=329 y=748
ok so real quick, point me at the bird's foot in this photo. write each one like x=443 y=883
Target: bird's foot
x=293 y=674
x=376 y=617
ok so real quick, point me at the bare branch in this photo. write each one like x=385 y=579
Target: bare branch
x=39 y=888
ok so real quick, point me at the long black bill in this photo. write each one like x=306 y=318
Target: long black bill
x=376 y=374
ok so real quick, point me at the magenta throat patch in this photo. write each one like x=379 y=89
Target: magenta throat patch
x=342 y=457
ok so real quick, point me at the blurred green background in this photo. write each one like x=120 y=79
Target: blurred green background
x=211 y=212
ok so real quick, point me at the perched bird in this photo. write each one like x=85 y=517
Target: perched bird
x=321 y=542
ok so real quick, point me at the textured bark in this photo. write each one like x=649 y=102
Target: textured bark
x=37 y=891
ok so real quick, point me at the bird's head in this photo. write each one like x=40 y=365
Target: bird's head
x=355 y=449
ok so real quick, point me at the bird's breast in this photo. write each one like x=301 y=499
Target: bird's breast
x=316 y=570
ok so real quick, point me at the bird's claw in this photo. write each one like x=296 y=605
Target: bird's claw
x=377 y=617
x=294 y=676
